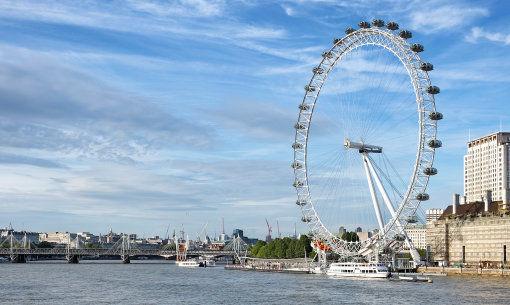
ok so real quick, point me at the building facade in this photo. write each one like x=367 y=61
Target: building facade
x=487 y=167
x=433 y=214
x=477 y=233
x=416 y=234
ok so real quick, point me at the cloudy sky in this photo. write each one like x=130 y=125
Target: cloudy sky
x=139 y=115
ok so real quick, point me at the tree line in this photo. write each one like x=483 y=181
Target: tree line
x=283 y=248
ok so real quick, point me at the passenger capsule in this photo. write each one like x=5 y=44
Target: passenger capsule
x=405 y=34
x=412 y=219
x=436 y=116
x=364 y=25
x=426 y=66
x=304 y=106
x=399 y=237
x=297 y=145
x=434 y=143
x=392 y=26
x=310 y=88
x=336 y=40
x=416 y=47
x=296 y=165
x=430 y=171
x=422 y=196
x=318 y=70
x=298 y=184
x=306 y=219
x=301 y=202
x=300 y=126
x=433 y=89
x=327 y=55
x=378 y=23
x=349 y=31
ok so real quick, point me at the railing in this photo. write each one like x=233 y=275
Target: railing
x=104 y=252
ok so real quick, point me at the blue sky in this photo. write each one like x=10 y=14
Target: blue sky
x=134 y=115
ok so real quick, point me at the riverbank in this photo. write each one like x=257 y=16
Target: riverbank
x=472 y=271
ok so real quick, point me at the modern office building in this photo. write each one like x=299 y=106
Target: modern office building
x=487 y=167
x=416 y=234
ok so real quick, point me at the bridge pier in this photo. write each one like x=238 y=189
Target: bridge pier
x=72 y=259
x=18 y=258
x=125 y=259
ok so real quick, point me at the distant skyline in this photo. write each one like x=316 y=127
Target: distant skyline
x=134 y=115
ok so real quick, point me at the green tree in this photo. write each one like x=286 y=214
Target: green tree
x=44 y=244
x=92 y=246
x=255 y=250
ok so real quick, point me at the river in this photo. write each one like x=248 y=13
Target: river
x=161 y=282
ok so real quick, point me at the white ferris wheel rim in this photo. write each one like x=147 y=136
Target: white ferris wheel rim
x=420 y=81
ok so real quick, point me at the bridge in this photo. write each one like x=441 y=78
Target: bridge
x=125 y=248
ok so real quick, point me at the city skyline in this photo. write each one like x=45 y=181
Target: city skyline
x=134 y=115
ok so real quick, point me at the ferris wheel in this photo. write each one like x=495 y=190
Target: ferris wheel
x=366 y=157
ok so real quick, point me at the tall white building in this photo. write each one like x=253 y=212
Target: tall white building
x=487 y=167
x=433 y=214
x=416 y=234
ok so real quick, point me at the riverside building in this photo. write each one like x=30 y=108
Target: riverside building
x=475 y=229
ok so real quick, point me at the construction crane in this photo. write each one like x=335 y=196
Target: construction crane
x=201 y=232
x=278 y=227
x=268 y=237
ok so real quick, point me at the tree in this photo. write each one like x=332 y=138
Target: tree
x=44 y=244
x=350 y=236
x=255 y=250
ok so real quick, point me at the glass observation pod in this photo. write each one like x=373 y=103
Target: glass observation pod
x=416 y=47
x=364 y=25
x=300 y=126
x=422 y=196
x=392 y=26
x=310 y=88
x=436 y=116
x=318 y=70
x=298 y=184
x=378 y=23
x=296 y=165
x=301 y=202
x=297 y=146
x=426 y=66
x=304 y=106
x=306 y=219
x=400 y=237
x=405 y=34
x=435 y=143
x=431 y=171
x=412 y=219
x=432 y=89
x=327 y=55
x=349 y=31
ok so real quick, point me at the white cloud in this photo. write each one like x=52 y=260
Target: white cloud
x=478 y=34
x=444 y=17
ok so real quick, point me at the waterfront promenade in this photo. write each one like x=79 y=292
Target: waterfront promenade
x=473 y=271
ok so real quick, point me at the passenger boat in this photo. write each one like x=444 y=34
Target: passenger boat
x=188 y=263
x=197 y=263
x=351 y=269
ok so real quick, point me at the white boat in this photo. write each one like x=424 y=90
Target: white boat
x=350 y=269
x=209 y=263
x=188 y=263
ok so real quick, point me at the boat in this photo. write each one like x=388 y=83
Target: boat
x=188 y=263
x=197 y=263
x=352 y=269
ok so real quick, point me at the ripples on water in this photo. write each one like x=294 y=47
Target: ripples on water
x=161 y=282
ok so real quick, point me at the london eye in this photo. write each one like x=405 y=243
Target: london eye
x=366 y=157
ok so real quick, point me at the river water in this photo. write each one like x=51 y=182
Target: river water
x=162 y=282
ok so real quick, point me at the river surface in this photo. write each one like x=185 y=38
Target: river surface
x=162 y=282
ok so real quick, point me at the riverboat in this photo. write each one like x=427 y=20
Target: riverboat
x=188 y=263
x=352 y=269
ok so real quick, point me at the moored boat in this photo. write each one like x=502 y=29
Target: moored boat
x=351 y=269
